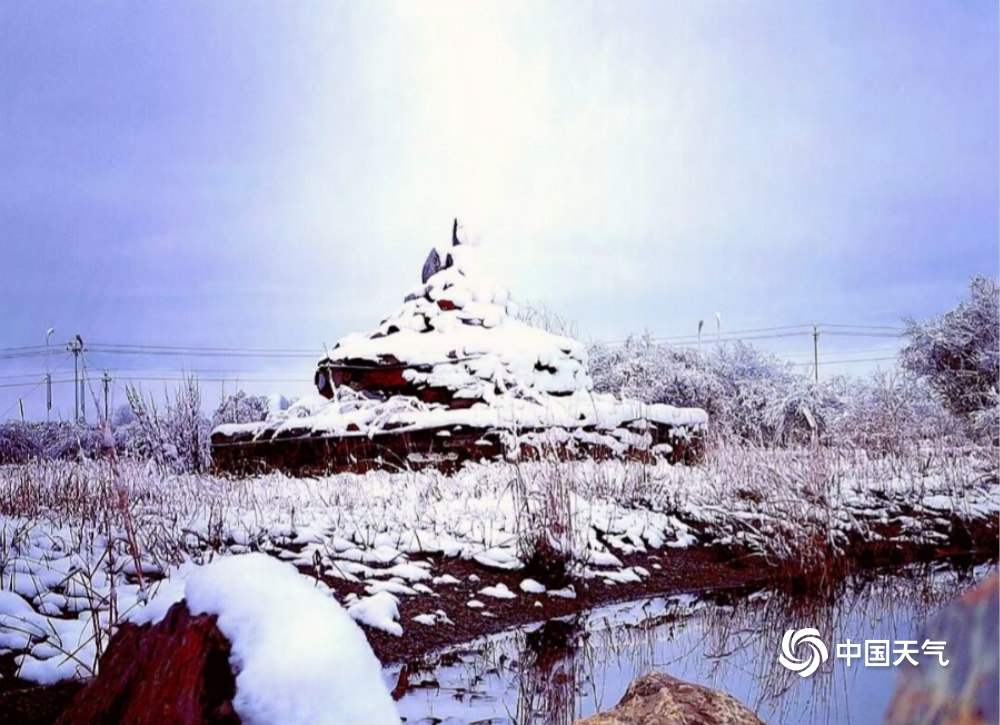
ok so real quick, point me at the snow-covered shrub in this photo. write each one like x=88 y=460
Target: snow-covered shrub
x=890 y=412
x=985 y=424
x=19 y=443
x=803 y=412
x=65 y=441
x=753 y=397
x=749 y=395
x=122 y=416
x=959 y=354
x=653 y=373
x=177 y=439
x=239 y=407
x=759 y=394
x=129 y=434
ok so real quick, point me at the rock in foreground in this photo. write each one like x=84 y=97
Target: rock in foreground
x=967 y=690
x=659 y=699
x=252 y=642
x=176 y=671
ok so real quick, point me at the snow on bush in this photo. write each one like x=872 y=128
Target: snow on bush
x=21 y=442
x=242 y=408
x=18 y=443
x=748 y=394
x=297 y=655
x=84 y=549
x=176 y=439
x=753 y=397
x=890 y=412
x=959 y=355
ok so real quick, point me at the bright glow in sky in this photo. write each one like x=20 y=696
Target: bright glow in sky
x=264 y=174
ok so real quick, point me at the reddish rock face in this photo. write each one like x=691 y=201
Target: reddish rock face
x=175 y=672
x=384 y=379
x=298 y=452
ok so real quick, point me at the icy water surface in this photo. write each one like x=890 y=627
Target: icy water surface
x=561 y=670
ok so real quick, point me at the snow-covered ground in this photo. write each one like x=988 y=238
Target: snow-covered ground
x=81 y=549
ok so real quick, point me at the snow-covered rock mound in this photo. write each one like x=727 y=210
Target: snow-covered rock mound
x=456 y=337
x=456 y=373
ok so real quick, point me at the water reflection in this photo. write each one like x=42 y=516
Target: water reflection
x=564 y=669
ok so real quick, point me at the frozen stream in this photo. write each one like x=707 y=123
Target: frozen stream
x=562 y=670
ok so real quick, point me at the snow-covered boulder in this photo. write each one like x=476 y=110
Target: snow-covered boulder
x=252 y=642
x=454 y=375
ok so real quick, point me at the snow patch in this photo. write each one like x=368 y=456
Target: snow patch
x=298 y=656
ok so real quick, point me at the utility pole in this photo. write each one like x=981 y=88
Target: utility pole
x=75 y=346
x=107 y=381
x=48 y=377
x=816 y=352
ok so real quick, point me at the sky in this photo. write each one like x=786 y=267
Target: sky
x=242 y=174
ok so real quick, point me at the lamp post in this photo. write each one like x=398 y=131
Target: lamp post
x=75 y=346
x=48 y=376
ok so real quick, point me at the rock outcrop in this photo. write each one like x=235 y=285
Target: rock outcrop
x=659 y=699
x=252 y=641
x=451 y=376
x=176 y=671
x=967 y=690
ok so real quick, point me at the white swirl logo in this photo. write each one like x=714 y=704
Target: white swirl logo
x=817 y=651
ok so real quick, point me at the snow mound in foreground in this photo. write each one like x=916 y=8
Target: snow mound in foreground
x=297 y=655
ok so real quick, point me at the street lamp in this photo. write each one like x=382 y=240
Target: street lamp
x=48 y=376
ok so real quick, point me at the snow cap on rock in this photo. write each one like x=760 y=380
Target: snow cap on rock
x=297 y=655
x=457 y=331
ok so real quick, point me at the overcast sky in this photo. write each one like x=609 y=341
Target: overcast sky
x=273 y=174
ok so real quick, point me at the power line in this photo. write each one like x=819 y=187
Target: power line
x=757 y=333
x=24 y=348
x=863 y=327
x=26 y=355
x=3 y=416
x=736 y=332
x=35 y=381
x=846 y=362
x=181 y=378
x=200 y=348
x=23 y=376
x=160 y=370
x=861 y=351
x=896 y=335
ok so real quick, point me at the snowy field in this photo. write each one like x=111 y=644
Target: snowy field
x=87 y=545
